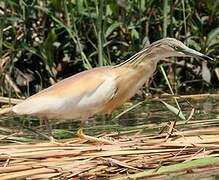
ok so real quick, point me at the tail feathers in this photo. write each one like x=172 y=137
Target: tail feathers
x=37 y=106
x=26 y=107
x=5 y=110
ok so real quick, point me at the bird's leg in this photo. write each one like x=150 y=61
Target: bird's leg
x=49 y=129
x=48 y=126
x=81 y=134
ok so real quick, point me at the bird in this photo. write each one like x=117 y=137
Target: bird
x=102 y=89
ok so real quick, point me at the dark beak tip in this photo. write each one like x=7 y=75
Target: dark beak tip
x=207 y=58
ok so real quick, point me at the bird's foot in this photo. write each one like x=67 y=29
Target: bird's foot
x=54 y=141
x=81 y=134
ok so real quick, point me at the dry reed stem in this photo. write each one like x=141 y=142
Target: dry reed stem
x=193 y=96
x=10 y=100
x=12 y=84
x=5 y=110
x=130 y=154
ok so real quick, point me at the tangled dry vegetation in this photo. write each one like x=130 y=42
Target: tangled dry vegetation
x=133 y=155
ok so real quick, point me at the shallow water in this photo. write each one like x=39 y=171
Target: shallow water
x=149 y=116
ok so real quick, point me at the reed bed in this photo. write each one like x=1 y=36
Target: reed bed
x=132 y=155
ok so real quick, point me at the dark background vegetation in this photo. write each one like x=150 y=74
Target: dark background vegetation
x=44 y=41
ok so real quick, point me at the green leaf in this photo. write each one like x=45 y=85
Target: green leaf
x=186 y=165
x=8 y=45
x=191 y=42
x=174 y=110
x=142 y=5
x=213 y=37
x=33 y=51
x=57 y=4
x=109 y=11
x=80 y=6
x=134 y=34
x=48 y=47
x=111 y=28
x=61 y=133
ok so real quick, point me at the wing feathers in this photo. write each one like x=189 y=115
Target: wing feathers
x=75 y=97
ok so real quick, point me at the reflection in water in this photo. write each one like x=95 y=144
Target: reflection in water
x=150 y=116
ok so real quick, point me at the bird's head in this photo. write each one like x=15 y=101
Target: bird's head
x=170 y=47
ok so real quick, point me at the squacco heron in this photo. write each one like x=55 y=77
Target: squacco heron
x=102 y=89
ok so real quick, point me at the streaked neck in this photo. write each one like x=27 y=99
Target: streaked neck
x=142 y=58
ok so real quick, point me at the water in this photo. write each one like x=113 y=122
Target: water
x=150 y=117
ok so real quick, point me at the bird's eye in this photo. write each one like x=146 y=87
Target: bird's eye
x=175 y=48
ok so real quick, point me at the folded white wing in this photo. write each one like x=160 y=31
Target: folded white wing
x=71 y=103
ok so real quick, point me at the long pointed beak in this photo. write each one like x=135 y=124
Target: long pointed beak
x=193 y=53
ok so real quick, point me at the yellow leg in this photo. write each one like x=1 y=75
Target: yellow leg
x=54 y=141
x=81 y=134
